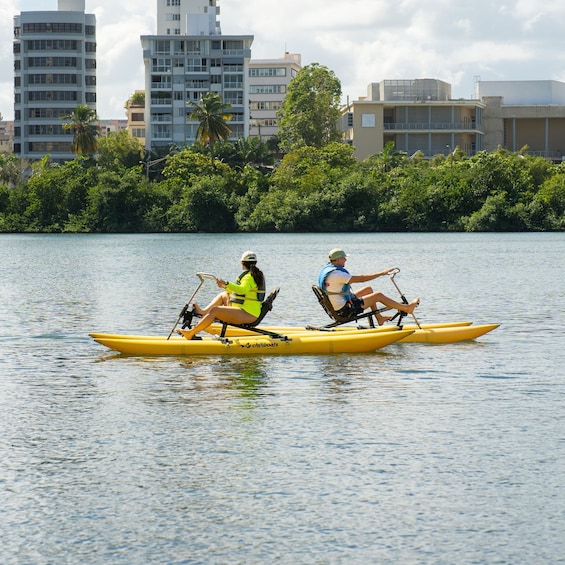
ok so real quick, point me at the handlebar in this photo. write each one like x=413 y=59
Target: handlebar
x=208 y=276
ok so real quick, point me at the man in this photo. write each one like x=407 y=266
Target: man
x=335 y=280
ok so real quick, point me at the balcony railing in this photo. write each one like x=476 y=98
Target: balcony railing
x=435 y=126
x=161 y=101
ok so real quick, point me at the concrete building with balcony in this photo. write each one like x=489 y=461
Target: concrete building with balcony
x=524 y=113
x=135 y=112
x=187 y=58
x=54 y=72
x=416 y=115
x=268 y=85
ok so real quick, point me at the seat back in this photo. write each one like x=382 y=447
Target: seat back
x=338 y=320
x=266 y=307
x=326 y=304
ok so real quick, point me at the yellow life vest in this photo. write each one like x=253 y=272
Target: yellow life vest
x=245 y=294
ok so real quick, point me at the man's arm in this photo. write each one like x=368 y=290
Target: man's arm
x=370 y=277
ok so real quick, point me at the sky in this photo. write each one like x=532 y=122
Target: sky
x=360 y=41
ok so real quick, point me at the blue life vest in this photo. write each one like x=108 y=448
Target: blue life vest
x=346 y=291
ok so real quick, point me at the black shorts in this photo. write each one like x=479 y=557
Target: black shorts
x=352 y=308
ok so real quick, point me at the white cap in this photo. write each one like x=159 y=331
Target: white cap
x=249 y=256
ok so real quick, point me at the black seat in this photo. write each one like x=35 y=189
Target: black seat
x=338 y=320
x=266 y=307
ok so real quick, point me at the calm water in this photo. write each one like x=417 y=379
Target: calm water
x=414 y=454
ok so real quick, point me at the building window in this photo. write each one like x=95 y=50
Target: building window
x=265 y=105
x=53 y=45
x=162 y=131
x=234 y=97
x=233 y=81
x=162 y=47
x=194 y=47
x=267 y=89
x=161 y=65
x=233 y=45
x=196 y=64
x=268 y=72
x=52 y=27
x=233 y=68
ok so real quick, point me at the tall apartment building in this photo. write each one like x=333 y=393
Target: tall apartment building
x=54 y=72
x=268 y=84
x=187 y=58
x=416 y=115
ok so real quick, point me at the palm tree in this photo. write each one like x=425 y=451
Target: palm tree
x=212 y=115
x=80 y=121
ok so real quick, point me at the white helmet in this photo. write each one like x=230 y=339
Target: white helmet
x=249 y=257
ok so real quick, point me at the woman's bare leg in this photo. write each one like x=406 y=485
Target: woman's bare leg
x=221 y=299
x=230 y=314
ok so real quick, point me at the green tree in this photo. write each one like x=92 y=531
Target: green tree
x=85 y=132
x=11 y=169
x=136 y=99
x=118 y=202
x=187 y=166
x=310 y=109
x=120 y=148
x=204 y=207
x=389 y=158
x=212 y=113
x=245 y=151
x=307 y=169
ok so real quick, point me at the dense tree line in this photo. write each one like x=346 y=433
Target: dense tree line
x=218 y=186
x=311 y=190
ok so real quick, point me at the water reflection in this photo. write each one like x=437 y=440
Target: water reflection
x=248 y=375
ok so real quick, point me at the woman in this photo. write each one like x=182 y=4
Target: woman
x=240 y=303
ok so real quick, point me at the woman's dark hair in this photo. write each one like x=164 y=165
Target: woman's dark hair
x=256 y=273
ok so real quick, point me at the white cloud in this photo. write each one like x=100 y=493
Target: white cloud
x=361 y=41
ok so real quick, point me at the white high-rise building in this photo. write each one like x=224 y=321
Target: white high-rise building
x=187 y=17
x=268 y=84
x=54 y=72
x=188 y=58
